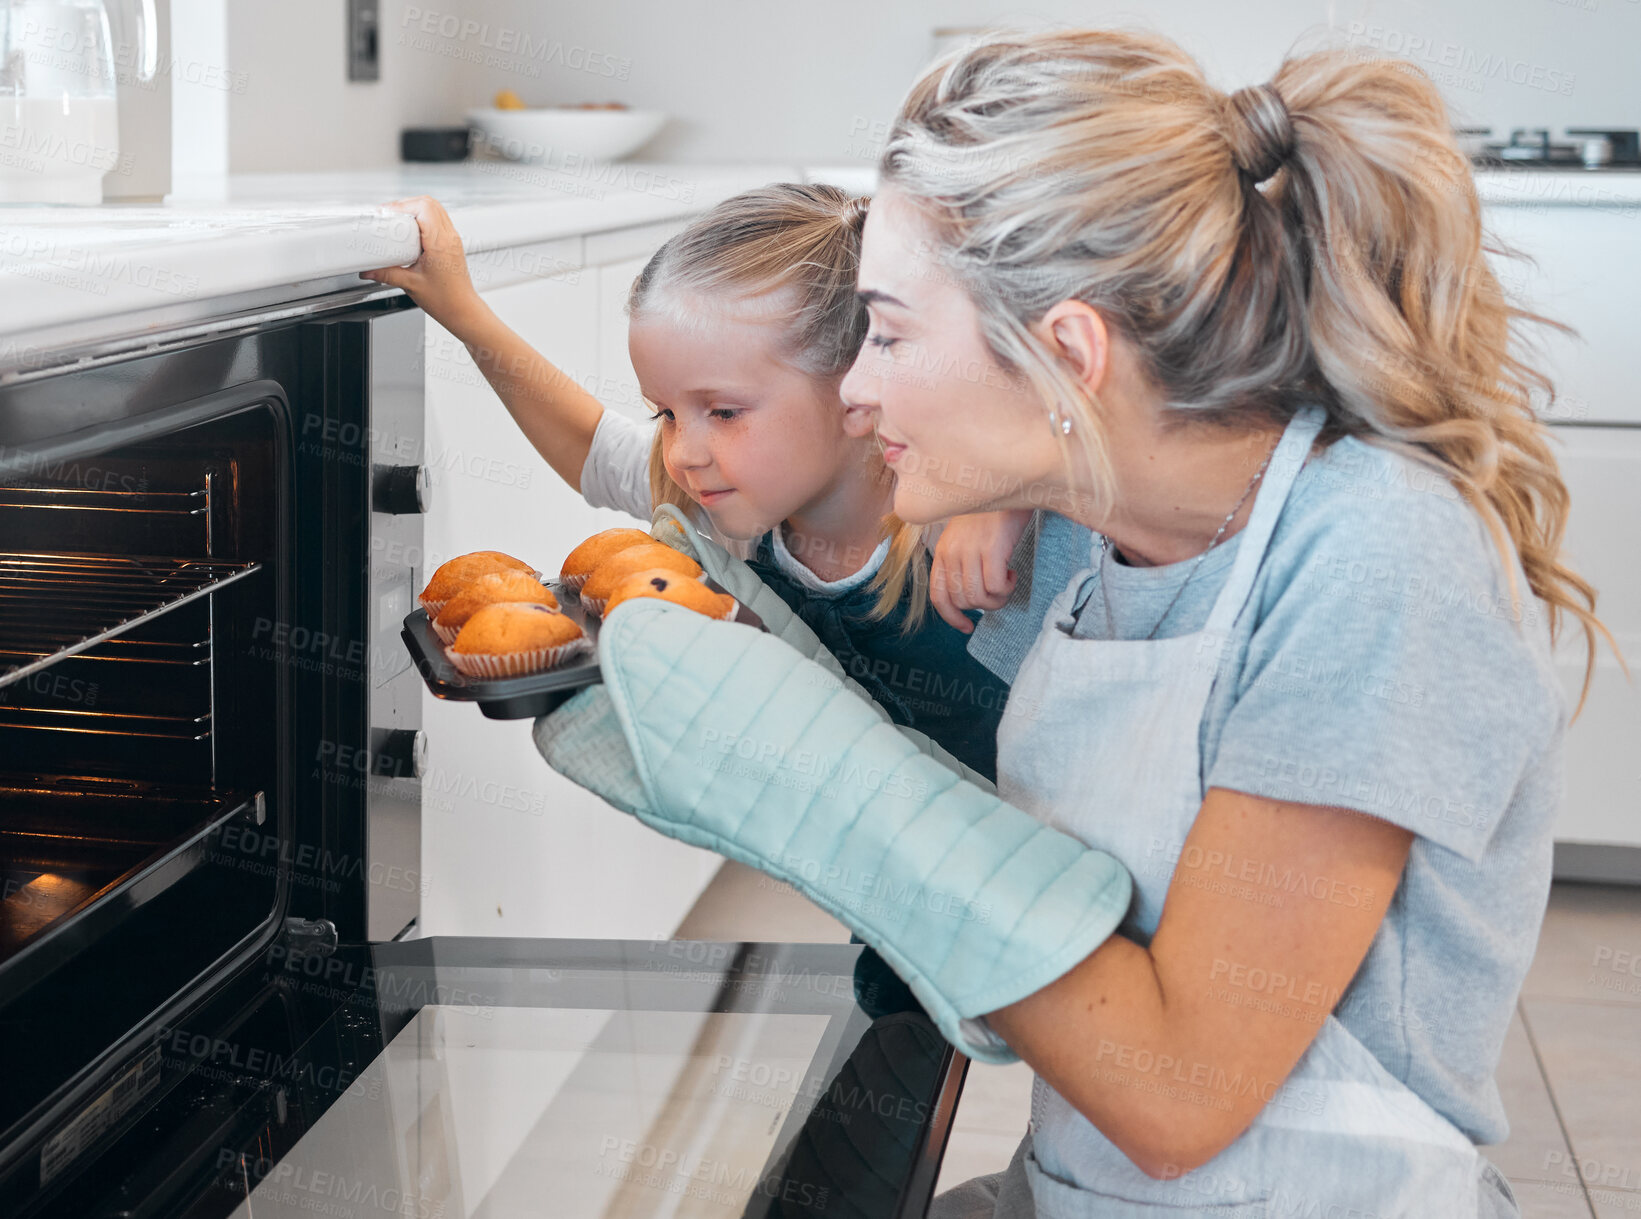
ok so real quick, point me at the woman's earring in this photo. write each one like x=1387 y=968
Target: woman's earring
x=1063 y=422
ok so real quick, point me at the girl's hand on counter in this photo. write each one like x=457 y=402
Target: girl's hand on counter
x=971 y=564
x=438 y=281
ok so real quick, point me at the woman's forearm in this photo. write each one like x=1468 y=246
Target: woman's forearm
x=1172 y=1049
x=1133 y=1075
x=555 y=414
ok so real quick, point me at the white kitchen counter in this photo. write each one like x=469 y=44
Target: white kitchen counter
x=74 y=276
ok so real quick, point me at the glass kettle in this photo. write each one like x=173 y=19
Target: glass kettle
x=60 y=64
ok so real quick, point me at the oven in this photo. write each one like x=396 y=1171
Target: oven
x=212 y=999
x=209 y=732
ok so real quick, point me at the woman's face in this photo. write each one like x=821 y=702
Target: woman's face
x=961 y=433
x=746 y=435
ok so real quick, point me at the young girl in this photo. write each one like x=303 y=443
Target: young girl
x=742 y=327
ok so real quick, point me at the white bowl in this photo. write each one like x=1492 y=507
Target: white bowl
x=545 y=134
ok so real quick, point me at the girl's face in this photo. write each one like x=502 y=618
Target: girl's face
x=749 y=437
x=961 y=433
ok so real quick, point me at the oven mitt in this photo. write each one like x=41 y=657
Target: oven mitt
x=725 y=737
x=671 y=526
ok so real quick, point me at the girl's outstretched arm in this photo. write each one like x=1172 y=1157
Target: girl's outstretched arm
x=555 y=414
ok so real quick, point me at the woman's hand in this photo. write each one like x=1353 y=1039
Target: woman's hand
x=438 y=280
x=971 y=564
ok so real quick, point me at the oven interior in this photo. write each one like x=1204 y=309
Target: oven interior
x=142 y=717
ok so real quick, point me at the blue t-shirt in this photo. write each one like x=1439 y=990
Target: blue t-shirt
x=1379 y=666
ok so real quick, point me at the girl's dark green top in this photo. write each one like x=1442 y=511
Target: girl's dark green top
x=925 y=680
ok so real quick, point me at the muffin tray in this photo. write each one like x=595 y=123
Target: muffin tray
x=518 y=698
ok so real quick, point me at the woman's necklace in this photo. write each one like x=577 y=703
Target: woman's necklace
x=1105 y=546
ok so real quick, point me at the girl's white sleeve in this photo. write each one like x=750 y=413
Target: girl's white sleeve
x=616 y=473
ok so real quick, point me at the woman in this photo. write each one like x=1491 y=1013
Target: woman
x=1303 y=692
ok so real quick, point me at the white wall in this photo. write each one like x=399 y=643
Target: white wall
x=201 y=94
x=747 y=80
x=294 y=108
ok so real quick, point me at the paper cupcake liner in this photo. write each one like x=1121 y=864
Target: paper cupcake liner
x=574 y=583
x=515 y=664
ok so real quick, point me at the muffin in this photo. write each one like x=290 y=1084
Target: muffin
x=462 y=570
x=630 y=562
x=674 y=587
x=512 y=638
x=488 y=590
x=585 y=558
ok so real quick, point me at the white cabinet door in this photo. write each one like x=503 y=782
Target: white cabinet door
x=1602 y=468
x=617 y=382
x=1585 y=272
x=509 y=847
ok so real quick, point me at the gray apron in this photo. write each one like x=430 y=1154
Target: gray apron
x=1101 y=739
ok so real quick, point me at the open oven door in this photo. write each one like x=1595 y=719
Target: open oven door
x=468 y=1077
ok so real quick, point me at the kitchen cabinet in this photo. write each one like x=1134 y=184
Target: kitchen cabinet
x=1582 y=265
x=510 y=847
x=1582 y=269
x=1602 y=466
x=618 y=383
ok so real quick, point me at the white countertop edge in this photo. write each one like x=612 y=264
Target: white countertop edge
x=1560 y=188
x=61 y=287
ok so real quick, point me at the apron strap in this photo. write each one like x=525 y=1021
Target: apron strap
x=1284 y=468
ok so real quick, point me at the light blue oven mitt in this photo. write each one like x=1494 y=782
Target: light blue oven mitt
x=722 y=736
x=668 y=524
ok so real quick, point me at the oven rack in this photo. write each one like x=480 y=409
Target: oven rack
x=67 y=848
x=57 y=605
x=193 y=502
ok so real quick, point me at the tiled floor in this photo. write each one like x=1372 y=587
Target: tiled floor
x=1570 y=1074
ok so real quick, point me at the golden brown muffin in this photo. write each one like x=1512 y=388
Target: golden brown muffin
x=674 y=587
x=630 y=562
x=462 y=570
x=585 y=558
x=512 y=638
x=498 y=586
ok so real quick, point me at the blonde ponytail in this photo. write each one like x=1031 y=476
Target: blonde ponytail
x=1409 y=326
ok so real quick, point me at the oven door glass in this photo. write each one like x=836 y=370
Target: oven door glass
x=465 y=1078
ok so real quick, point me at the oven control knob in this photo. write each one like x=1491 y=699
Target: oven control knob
x=401 y=490
x=401 y=753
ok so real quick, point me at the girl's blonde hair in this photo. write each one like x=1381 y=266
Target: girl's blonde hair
x=1102 y=167
x=800 y=241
